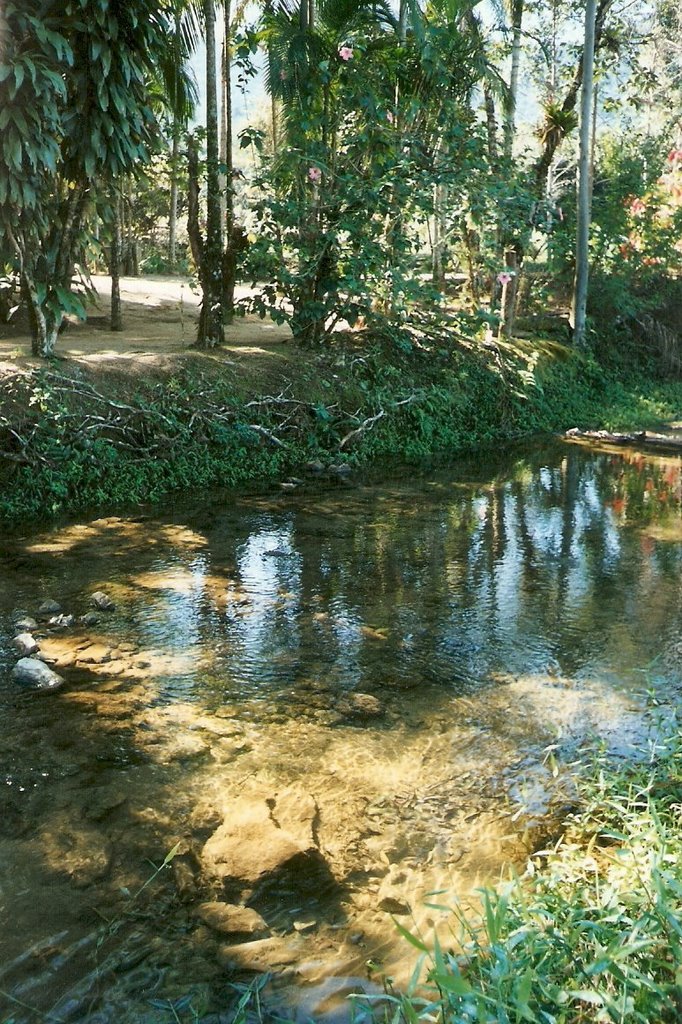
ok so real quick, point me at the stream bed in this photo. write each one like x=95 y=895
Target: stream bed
x=307 y=711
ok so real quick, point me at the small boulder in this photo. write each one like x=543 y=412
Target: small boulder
x=26 y=624
x=35 y=675
x=48 y=608
x=261 y=839
x=89 y=619
x=25 y=644
x=102 y=601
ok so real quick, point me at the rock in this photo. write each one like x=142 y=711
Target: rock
x=48 y=608
x=26 y=625
x=89 y=619
x=260 y=839
x=342 y=469
x=304 y=926
x=360 y=705
x=82 y=854
x=229 y=919
x=315 y=467
x=60 y=621
x=95 y=654
x=286 y=485
x=394 y=905
x=25 y=644
x=261 y=956
x=391 y=894
x=35 y=675
x=102 y=601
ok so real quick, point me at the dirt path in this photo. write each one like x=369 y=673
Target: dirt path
x=160 y=317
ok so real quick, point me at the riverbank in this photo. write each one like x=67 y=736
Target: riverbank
x=102 y=431
x=592 y=930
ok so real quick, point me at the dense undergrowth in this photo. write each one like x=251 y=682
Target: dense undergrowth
x=71 y=442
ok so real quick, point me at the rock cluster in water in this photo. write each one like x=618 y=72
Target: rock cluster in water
x=31 y=670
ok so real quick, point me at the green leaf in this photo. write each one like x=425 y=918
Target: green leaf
x=409 y=937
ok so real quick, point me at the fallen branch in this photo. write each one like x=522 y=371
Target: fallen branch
x=367 y=425
x=656 y=442
x=257 y=429
x=371 y=420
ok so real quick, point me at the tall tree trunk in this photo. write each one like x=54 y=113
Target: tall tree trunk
x=116 y=321
x=226 y=156
x=510 y=117
x=173 y=212
x=554 y=139
x=579 y=305
x=211 y=332
x=437 y=248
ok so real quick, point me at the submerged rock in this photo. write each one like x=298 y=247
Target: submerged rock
x=102 y=601
x=229 y=919
x=261 y=956
x=25 y=644
x=95 y=654
x=360 y=705
x=262 y=838
x=35 y=675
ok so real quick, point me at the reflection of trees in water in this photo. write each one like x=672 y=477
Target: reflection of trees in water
x=455 y=581
x=440 y=581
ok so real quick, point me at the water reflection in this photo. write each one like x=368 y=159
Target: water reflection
x=479 y=612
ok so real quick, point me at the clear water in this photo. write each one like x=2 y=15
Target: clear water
x=483 y=611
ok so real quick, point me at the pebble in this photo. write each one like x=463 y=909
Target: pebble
x=102 y=601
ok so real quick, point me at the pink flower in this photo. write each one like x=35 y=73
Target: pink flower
x=504 y=277
x=315 y=174
x=637 y=206
x=346 y=53
x=674 y=155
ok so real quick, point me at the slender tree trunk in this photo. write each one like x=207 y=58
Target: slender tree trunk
x=115 y=262
x=510 y=118
x=437 y=264
x=211 y=332
x=173 y=213
x=227 y=158
x=579 y=305
x=554 y=139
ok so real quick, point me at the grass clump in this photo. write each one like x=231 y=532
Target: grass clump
x=593 y=930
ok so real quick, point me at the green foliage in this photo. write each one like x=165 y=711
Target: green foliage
x=373 y=124
x=75 y=114
x=76 y=449
x=593 y=931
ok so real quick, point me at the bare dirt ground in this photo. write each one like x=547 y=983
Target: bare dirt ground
x=160 y=316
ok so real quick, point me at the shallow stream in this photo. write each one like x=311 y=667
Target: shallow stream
x=375 y=668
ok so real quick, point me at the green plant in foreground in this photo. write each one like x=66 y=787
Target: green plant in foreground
x=592 y=932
